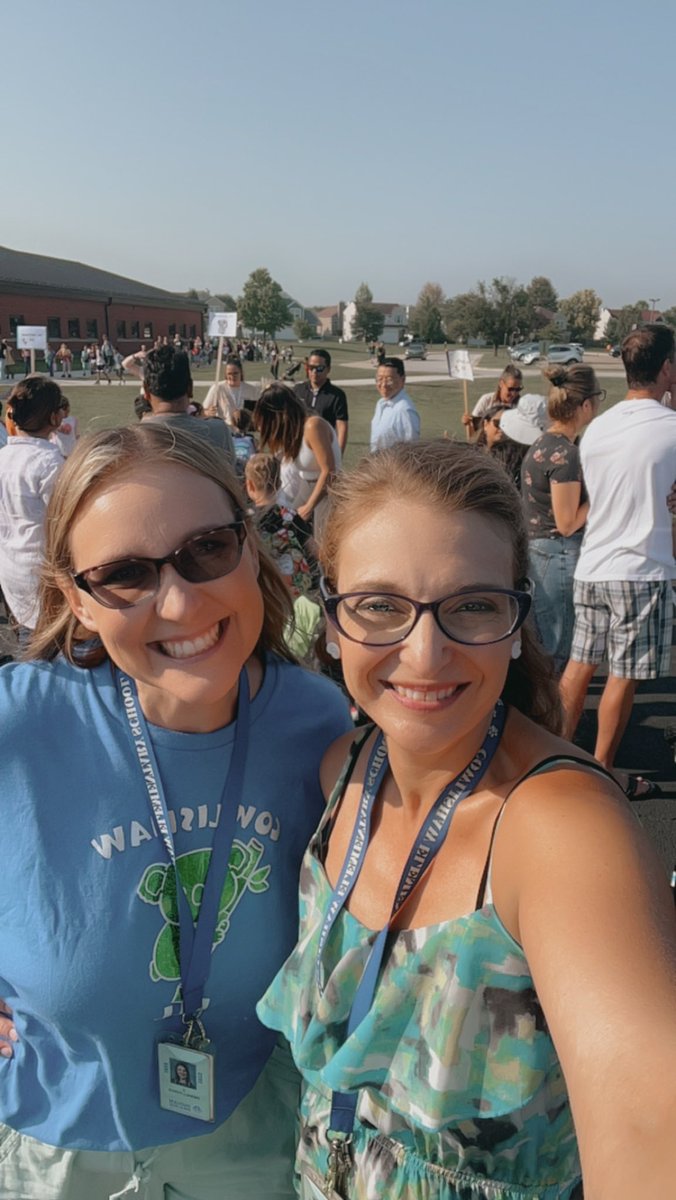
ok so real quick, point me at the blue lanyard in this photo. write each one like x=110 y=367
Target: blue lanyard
x=429 y=840
x=195 y=937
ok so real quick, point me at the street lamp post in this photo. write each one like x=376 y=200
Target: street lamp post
x=654 y=301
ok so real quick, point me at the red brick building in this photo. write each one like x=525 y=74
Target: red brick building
x=79 y=304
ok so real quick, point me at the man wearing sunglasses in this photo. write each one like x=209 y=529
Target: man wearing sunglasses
x=321 y=397
x=167 y=385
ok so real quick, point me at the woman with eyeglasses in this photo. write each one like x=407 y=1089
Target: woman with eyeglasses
x=556 y=505
x=152 y=836
x=508 y=389
x=485 y=965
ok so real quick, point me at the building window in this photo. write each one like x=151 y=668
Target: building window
x=13 y=322
x=73 y=327
x=172 y=331
x=184 y=331
x=193 y=331
x=148 y=329
x=53 y=327
x=92 y=327
x=135 y=329
x=122 y=329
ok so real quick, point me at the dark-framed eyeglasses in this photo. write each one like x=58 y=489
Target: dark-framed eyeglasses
x=319 y=369
x=477 y=616
x=514 y=391
x=202 y=558
x=601 y=395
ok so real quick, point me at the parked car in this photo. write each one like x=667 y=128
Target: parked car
x=614 y=351
x=567 y=354
x=525 y=352
x=415 y=349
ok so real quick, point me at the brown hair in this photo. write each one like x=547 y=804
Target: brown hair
x=644 y=353
x=32 y=402
x=510 y=372
x=569 y=388
x=453 y=476
x=97 y=460
x=279 y=417
x=264 y=473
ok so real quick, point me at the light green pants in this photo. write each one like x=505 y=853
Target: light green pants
x=250 y=1157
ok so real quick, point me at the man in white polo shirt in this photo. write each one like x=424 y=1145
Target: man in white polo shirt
x=623 y=581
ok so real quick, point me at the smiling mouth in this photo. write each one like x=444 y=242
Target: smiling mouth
x=427 y=695
x=190 y=647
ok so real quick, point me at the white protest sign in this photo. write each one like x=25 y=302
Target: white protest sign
x=31 y=337
x=223 y=325
x=459 y=364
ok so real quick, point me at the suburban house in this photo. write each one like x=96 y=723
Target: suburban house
x=298 y=313
x=396 y=321
x=78 y=303
x=648 y=314
x=331 y=320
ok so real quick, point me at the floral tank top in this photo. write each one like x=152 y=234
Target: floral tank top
x=461 y=1095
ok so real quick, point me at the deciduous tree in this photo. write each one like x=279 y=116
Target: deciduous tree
x=427 y=315
x=581 y=311
x=368 y=321
x=303 y=329
x=262 y=307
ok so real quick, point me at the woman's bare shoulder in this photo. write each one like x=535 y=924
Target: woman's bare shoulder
x=334 y=758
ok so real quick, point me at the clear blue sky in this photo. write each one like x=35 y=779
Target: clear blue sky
x=378 y=140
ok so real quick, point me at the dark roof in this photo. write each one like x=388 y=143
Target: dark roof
x=37 y=271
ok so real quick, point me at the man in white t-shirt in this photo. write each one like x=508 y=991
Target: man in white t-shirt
x=623 y=581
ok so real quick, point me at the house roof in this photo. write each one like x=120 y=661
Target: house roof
x=386 y=309
x=25 y=271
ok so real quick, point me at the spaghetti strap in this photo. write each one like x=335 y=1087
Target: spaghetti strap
x=553 y=760
x=338 y=789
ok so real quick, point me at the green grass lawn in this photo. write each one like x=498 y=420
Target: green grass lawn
x=440 y=403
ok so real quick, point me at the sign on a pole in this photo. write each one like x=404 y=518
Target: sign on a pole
x=31 y=337
x=223 y=325
x=459 y=364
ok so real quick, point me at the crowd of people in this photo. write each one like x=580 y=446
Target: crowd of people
x=475 y=997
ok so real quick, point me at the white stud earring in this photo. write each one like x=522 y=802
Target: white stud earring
x=516 y=649
x=333 y=649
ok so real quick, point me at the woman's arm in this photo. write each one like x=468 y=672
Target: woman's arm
x=569 y=514
x=317 y=434
x=577 y=882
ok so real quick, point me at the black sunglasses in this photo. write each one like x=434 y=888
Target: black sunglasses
x=200 y=559
x=313 y=367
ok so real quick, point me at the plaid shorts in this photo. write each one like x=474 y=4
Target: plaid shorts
x=628 y=621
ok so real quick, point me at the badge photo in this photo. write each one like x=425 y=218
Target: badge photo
x=186 y=1079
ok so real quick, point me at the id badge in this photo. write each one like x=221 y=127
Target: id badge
x=186 y=1078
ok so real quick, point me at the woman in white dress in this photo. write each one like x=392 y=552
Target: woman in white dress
x=306 y=446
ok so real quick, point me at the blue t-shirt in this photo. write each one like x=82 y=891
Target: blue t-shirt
x=88 y=930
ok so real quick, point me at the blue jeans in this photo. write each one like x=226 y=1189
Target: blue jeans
x=552 y=567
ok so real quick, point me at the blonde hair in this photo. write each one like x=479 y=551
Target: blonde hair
x=96 y=461
x=569 y=388
x=264 y=473
x=450 y=476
